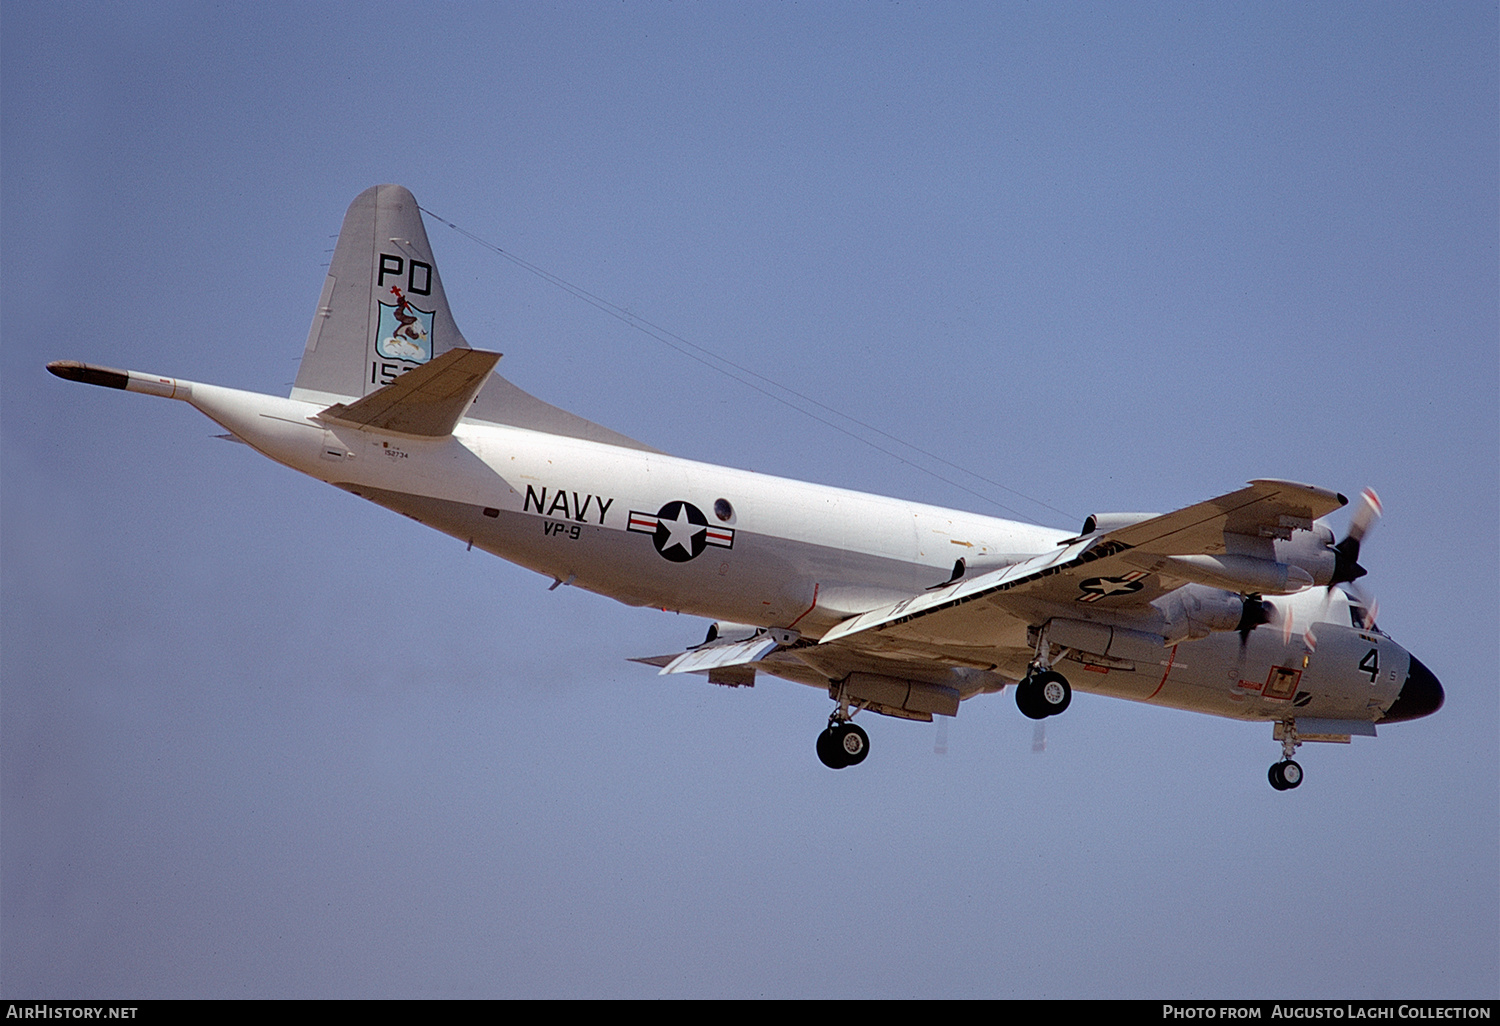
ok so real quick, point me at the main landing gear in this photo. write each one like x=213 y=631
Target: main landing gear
x=1043 y=693
x=842 y=744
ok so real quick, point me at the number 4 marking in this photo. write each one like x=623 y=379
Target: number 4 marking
x=1371 y=664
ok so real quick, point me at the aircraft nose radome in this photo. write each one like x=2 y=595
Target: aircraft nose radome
x=1421 y=695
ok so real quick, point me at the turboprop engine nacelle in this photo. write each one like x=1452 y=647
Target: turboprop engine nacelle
x=893 y=696
x=1100 y=639
x=1240 y=573
x=1312 y=551
x=1300 y=555
x=1103 y=523
x=725 y=631
x=1196 y=611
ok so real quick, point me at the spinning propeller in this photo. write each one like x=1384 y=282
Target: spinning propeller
x=1256 y=611
x=1346 y=566
x=1346 y=570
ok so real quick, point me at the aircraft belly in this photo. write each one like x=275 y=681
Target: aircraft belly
x=1184 y=679
x=762 y=580
x=1268 y=678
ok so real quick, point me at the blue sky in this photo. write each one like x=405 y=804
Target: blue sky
x=258 y=738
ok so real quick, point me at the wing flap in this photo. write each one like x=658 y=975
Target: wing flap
x=954 y=600
x=716 y=657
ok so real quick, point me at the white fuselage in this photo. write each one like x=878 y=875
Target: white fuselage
x=562 y=507
x=784 y=553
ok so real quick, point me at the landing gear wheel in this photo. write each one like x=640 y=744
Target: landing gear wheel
x=1285 y=775
x=1053 y=692
x=829 y=751
x=1043 y=694
x=843 y=744
x=852 y=742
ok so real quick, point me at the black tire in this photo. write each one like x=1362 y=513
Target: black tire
x=1291 y=775
x=1053 y=692
x=1285 y=775
x=1028 y=701
x=829 y=753
x=852 y=742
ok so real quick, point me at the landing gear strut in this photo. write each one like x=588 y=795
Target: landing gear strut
x=1286 y=774
x=842 y=744
x=1043 y=693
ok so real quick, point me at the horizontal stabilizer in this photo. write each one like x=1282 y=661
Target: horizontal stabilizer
x=427 y=401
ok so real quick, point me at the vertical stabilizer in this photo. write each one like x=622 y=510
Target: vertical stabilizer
x=382 y=311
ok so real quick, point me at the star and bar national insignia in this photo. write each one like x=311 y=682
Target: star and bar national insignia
x=1096 y=588
x=680 y=531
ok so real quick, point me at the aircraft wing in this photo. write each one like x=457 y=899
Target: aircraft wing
x=1121 y=569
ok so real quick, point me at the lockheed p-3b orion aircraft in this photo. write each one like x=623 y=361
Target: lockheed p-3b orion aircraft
x=1234 y=607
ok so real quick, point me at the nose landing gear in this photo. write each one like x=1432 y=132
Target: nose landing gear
x=1286 y=774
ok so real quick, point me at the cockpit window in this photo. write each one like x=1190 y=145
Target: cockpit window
x=1362 y=616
